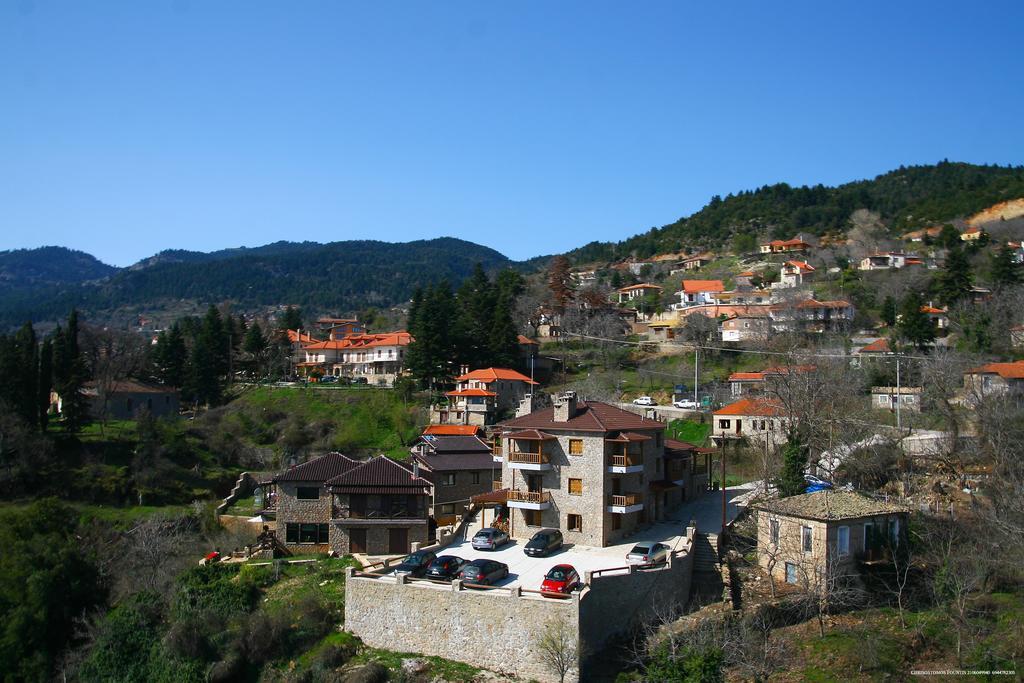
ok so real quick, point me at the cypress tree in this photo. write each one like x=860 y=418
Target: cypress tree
x=503 y=340
x=954 y=282
x=791 y=480
x=1004 y=271
x=914 y=325
x=171 y=356
x=44 y=384
x=291 y=319
x=888 y=311
x=69 y=374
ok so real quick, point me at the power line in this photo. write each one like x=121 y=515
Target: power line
x=702 y=347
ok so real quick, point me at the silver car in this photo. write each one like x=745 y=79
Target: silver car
x=489 y=539
x=648 y=553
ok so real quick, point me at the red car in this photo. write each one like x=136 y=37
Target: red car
x=561 y=578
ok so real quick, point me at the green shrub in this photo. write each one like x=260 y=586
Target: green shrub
x=220 y=588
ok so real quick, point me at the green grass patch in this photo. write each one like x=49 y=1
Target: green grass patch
x=440 y=668
x=689 y=431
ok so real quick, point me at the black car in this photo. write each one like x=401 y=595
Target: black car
x=484 y=572
x=543 y=542
x=445 y=567
x=416 y=564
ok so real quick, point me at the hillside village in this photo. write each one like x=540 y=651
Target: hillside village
x=695 y=461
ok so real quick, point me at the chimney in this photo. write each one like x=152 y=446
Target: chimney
x=565 y=407
x=415 y=468
x=332 y=334
x=463 y=370
x=525 y=406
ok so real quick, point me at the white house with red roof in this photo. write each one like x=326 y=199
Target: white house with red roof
x=378 y=358
x=479 y=396
x=639 y=291
x=698 y=293
x=794 y=274
x=757 y=420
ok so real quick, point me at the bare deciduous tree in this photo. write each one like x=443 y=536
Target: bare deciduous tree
x=559 y=647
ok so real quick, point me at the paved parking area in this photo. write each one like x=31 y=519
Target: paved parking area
x=528 y=572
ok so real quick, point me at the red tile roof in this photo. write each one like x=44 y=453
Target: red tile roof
x=761 y=407
x=299 y=336
x=319 y=469
x=364 y=341
x=453 y=430
x=591 y=416
x=877 y=346
x=470 y=392
x=746 y=377
x=488 y=375
x=523 y=339
x=696 y=286
x=1013 y=370
x=931 y=310
x=814 y=303
x=801 y=265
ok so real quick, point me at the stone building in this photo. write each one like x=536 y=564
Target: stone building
x=458 y=467
x=333 y=502
x=125 y=400
x=804 y=539
x=594 y=471
x=381 y=507
x=481 y=396
x=994 y=379
x=758 y=420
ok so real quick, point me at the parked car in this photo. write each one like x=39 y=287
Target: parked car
x=328 y=379
x=484 y=572
x=648 y=553
x=687 y=404
x=644 y=401
x=562 y=578
x=489 y=539
x=359 y=380
x=445 y=567
x=543 y=542
x=415 y=564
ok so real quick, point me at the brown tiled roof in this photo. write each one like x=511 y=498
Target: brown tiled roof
x=531 y=435
x=455 y=444
x=319 y=469
x=499 y=496
x=457 y=462
x=626 y=437
x=130 y=386
x=591 y=416
x=830 y=505
x=379 y=475
x=683 y=449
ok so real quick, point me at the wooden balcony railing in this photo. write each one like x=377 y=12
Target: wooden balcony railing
x=624 y=460
x=528 y=457
x=529 y=496
x=624 y=499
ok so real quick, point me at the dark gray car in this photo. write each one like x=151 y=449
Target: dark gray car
x=484 y=572
x=543 y=542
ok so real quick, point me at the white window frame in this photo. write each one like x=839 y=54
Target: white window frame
x=787 y=567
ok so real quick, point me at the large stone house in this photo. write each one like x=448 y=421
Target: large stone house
x=335 y=503
x=784 y=246
x=812 y=537
x=479 y=396
x=459 y=467
x=594 y=471
x=627 y=294
x=745 y=328
x=377 y=358
x=794 y=274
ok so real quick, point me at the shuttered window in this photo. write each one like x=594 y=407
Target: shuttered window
x=575 y=446
x=576 y=487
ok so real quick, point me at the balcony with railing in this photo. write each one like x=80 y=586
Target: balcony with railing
x=529 y=500
x=623 y=503
x=357 y=514
x=536 y=460
x=624 y=462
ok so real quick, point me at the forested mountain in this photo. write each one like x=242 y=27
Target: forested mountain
x=342 y=276
x=906 y=198
x=49 y=265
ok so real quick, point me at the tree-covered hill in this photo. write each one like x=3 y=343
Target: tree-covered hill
x=49 y=265
x=906 y=198
x=342 y=276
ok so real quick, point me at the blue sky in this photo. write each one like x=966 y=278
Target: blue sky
x=130 y=127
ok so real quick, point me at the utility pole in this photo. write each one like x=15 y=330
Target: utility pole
x=899 y=400
x=723 y=486
x=696 y=361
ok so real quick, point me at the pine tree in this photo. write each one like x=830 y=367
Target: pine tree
x=432 y=355
x=474 y=319
x=1004 y=270
x=256 y=345
x=44 y=384
x=954 y=282
x=503 y=341
x=209 y=361
x=791 y=481
x=888 y=311
x=949 y=237
x=69 y=374
x=291 y=319
x=914 y=325
x=171 y=356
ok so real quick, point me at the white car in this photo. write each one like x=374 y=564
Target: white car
x=686 y=404
x=644 y=401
